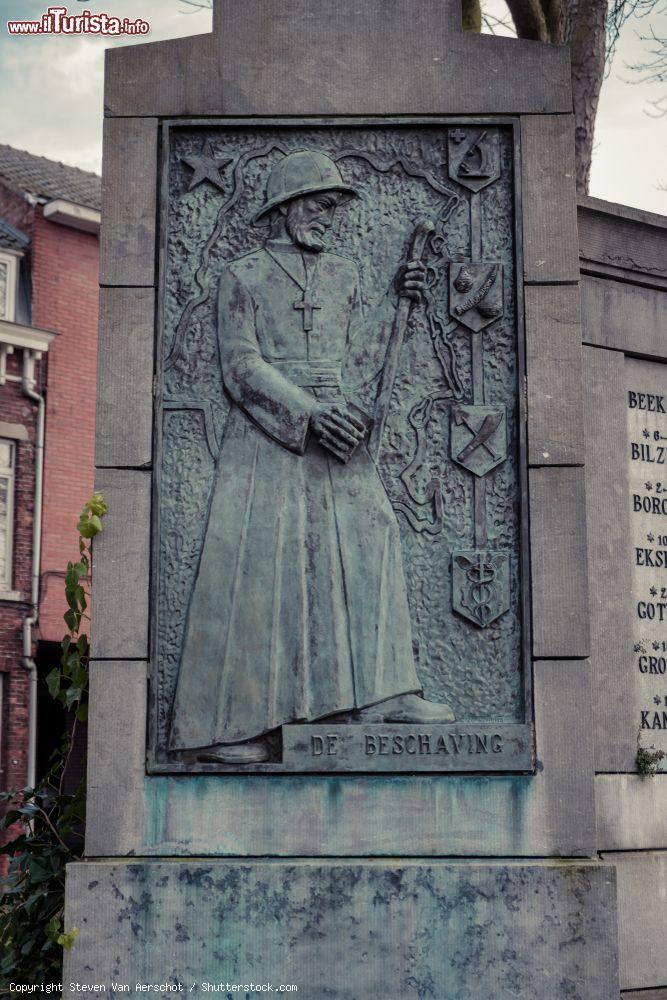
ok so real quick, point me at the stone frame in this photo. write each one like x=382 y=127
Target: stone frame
x=521 y=732
x=550 y=812
x=155 y=818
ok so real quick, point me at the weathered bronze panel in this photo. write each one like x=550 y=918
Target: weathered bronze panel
x=338 y=530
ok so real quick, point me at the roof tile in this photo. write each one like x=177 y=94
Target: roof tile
x=49 y=178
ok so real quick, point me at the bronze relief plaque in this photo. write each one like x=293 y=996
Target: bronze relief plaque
x=339 y=574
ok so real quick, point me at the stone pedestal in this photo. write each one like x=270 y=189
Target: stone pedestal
x=354 y=930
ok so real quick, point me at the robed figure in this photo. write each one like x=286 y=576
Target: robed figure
x=299 y=609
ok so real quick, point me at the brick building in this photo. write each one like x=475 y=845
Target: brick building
x=49 y=225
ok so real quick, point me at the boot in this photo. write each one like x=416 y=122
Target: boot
x=408 y=708
x=254 y=752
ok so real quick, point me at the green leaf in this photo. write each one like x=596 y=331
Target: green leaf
x=72 y=620
x=39 y=872
x=53 y=682
x=32 y=892
x=97 y=505
x=72 y=694
x=52 y=929
x=82 y=523
x=10 y=818
x=67 y=940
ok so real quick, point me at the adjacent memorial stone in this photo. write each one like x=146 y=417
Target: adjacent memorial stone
x=646 y=386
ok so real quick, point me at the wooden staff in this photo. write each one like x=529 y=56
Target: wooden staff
x=417 y=247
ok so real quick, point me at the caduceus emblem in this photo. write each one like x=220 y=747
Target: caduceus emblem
x=481 y=585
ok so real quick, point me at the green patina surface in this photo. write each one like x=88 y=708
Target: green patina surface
x=349 y=930
x=462 y=348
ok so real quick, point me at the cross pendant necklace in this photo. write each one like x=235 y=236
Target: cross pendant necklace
x=306 y=306
x=307 y=309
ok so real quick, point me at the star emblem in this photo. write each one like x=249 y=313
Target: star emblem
x=650 y=538
x=653 y=591
x=657 y=699
x=645 y=432
x=655 y=645
x=206 y=167
x=649 y=486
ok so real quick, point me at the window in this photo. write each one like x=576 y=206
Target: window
x=8 y=271
x=7 y=465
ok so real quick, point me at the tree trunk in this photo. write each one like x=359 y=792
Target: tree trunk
x=581 y=25
x=587 y=54
x=471 y=15
x=529 y=19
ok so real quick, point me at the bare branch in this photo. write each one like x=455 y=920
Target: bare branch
x=493 y=23
x=655 y=70
x=620 y=12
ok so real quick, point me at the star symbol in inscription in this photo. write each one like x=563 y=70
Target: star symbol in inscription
x=657 y=699
x=653 y=591
x=655 y=645
x=646 y=432
x=648 y=486
x=650 y=537
x=206 y=167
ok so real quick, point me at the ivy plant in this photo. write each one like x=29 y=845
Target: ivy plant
x=44 y=825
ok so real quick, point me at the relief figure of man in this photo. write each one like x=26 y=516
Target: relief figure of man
x=299 y=610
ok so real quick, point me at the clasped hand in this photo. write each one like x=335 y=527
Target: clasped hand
x=411 y=279
x=337 y=429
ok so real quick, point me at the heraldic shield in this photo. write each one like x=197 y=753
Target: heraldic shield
x=476 y=294
x=478 y=437
x=480 y=585
x=474 y=157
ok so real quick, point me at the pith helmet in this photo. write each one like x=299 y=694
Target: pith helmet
x=303 y=171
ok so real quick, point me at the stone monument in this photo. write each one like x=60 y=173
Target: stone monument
x=341 y=714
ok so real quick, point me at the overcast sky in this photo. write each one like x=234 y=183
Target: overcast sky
x=52 y=94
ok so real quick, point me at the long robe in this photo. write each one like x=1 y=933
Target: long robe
x=299 y=608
